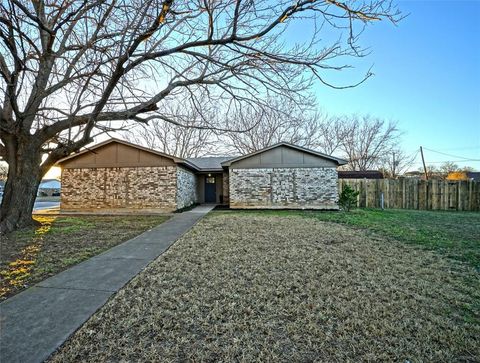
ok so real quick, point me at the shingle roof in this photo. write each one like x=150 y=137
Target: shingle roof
x=475 y=175
x=209 y=162
x=365 y=174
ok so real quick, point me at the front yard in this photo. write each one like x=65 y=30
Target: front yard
x=282 y=286
x=31 y=255
x=453 y=234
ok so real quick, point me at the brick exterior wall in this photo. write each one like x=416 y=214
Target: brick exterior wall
x=226 y=187
x=302 y=188
x=116 y=188
x=186 y=188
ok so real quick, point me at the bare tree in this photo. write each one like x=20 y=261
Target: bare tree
x=72 y=68
x=442 y=171
x=331 y=132
x=396 y=163
x=366 y=141
x=280 y=120
x=433 y=172
x=448 y=167
x=179 y=140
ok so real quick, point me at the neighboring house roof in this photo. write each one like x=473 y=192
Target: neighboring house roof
x=286 y=144
x=50 y=184
x=475 y=175
x=209 y=163
x=365 y=174
x=413 y=173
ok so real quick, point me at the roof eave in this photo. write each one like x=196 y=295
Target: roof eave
x=188 y=165
x=210 y=170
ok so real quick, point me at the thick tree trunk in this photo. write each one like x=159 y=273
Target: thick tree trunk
x=24 y=176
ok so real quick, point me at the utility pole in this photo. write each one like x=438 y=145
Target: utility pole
x=394 y=167
x=423 y=161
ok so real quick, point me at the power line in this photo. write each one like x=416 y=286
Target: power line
x=453 y=156
x=448 y=161
x=462 y=148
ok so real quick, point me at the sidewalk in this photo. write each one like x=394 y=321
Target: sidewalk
x=34 y=323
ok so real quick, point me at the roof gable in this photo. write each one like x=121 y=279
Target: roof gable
x=284 y=154
x=117 y=153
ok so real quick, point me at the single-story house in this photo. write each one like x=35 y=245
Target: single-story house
x=117 y=174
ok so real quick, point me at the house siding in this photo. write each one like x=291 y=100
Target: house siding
x=300 y=188
x=186 y=188
x=117 y=188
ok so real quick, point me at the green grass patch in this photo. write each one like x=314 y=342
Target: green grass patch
x=71 y=225
x=454 y=234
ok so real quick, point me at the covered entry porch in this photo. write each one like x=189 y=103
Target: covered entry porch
x=210 y=188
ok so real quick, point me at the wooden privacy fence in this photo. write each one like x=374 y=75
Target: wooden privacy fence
x=416 y=194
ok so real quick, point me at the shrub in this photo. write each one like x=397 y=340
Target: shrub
x=348 y=198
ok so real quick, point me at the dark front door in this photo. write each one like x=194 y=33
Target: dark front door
x=210 y=190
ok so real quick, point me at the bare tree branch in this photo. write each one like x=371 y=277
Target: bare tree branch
x=185 y=140
x=366 y=141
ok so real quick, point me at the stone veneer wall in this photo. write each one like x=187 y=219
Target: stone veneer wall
x=114 y=188
x=186 y=188
x=303 y=188
x=226 y=188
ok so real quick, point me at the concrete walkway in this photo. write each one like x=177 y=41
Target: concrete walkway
x=34 y=323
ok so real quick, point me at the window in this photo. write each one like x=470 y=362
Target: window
x=210 y=180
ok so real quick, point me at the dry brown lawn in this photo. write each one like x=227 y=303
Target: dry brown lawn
x=31 y=255
x=242 y=287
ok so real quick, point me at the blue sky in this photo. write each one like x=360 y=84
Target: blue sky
x=427 y=77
